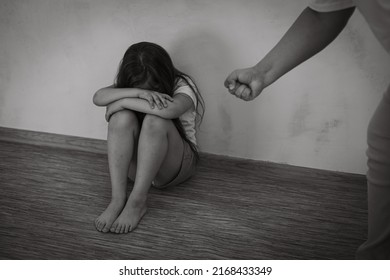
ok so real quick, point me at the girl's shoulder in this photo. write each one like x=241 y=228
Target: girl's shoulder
x=185 y=85
x=185 y=81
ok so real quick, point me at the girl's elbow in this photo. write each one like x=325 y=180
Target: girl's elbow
x=96 y=99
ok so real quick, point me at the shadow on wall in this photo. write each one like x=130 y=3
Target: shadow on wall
x=207 y=58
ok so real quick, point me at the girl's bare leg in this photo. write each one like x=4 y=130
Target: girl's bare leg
x=160 y=151
x=123 y=132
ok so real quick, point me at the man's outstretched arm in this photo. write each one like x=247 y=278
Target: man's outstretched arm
x=310 y=33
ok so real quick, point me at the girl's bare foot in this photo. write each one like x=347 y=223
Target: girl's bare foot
x=133 y=212
x=104 y=222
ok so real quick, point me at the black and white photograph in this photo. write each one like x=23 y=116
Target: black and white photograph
x=195 y=130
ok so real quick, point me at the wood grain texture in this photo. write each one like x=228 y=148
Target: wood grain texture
x=231 y=209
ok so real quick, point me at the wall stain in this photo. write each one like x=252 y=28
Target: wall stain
x=298 y=122
x=226 y=120
x=357 y=44
x=360 y=50
x=323 y=136
x=226 y=126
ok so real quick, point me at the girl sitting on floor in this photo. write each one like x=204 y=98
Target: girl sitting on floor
x=152 y=114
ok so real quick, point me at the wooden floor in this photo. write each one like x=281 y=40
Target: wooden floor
x=232 y=209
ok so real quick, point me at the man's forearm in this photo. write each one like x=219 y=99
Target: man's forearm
x=309 y=34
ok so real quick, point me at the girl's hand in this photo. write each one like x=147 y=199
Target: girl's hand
x=155 y=98
x=113 y=108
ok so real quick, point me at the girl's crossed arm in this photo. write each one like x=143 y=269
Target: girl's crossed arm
x=107 y=95
x=179 y=105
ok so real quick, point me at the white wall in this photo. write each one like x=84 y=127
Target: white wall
x=55 y=54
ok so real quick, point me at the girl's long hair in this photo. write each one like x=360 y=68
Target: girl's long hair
x=148 y=63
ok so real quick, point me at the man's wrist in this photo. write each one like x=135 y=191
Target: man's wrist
x=264 y=71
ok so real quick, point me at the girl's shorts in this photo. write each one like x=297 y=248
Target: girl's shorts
x=187 y=168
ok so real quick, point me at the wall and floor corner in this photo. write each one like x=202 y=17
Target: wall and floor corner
x=55 y=54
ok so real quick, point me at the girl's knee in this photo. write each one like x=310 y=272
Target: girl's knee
x=123 y=119
x=155 y=123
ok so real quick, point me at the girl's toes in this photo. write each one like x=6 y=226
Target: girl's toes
x=113 y=227
x=100 y=226
x=105 y=228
